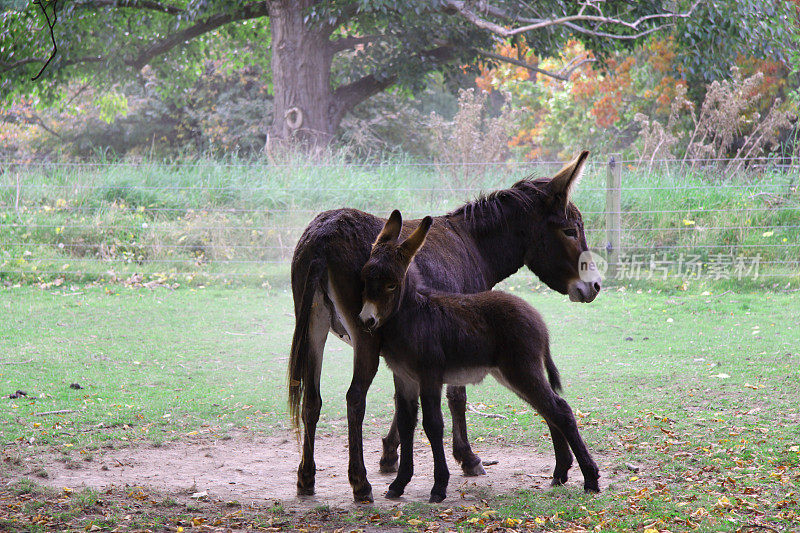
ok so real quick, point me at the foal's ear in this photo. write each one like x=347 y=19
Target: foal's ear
x=415 y=241
x=566 y=180
x=391 y=230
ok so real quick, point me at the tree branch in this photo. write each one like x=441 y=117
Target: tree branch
x=135 y=4
x=29 y=118
x=346 y=43
x=250 y=11
x=562 y=75
x=20 y=62
x=532 y=24
x=616 y=36
x=50 y=26
x=348 y=96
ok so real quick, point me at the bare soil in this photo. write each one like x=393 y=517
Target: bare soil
x=250 y=469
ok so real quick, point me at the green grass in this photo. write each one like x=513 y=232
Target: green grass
x=703 y=398
x=237 y=224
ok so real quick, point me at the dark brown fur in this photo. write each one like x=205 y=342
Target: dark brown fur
x=430 y=338
x=469 y=250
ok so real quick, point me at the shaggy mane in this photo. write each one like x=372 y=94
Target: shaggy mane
x=488 y=211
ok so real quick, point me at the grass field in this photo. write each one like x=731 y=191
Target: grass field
x=237 y=224
x=700 y=392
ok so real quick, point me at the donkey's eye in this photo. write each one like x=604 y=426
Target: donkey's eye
x=391 y=287
x=570 y=232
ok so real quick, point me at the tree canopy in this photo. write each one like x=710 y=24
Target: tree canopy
x=323 y=57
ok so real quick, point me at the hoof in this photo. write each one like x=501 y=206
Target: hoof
x=436 y=498
x=305 y=486
x=305 y=480
x=367 y=498
x=475 y=469
x=591 y=486
x=364 y=495
x=559 y=478
x=393 y=494
x=305 y=491
x=388 y=465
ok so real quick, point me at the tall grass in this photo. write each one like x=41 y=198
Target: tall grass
x=238 y=223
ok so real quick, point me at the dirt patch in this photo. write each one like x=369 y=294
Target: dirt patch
x=248 y=469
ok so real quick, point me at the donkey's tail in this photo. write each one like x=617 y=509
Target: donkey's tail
x=552 y=372
x=305 y=282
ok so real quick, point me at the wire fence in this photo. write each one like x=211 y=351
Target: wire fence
x=220 y=221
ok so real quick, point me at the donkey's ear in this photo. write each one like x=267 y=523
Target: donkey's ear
x=566 y=180
x=415 y=241
x=391 y=230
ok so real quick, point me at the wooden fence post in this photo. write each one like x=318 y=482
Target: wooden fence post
x=613 y=214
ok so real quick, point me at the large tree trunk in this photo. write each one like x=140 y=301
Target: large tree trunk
x=301 y=67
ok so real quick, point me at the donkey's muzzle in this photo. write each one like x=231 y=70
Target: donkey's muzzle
x=369 y=316
x=584 y=291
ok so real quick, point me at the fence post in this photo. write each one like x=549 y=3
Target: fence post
x=613 y=214
x=16 y=196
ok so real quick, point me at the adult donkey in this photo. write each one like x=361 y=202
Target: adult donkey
x=532 y=223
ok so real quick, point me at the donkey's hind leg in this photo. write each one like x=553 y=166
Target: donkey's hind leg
x=319 y=323
x=563 y=456
x=532 y=386
x=457 y=401
x=558 y=412
x=391 y=441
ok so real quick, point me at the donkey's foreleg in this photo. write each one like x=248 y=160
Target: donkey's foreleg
x=406 y=406
x=434 y=429
x=345 y=293
x=319 y=323
x=457 y=401
x=364 y=368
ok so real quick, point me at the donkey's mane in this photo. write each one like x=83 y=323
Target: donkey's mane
x=489 y=211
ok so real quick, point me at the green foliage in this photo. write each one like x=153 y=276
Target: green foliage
x=108 y=42
x=721 y=31
x=111 y=105
x=168 y=49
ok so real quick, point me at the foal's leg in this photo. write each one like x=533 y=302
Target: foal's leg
x=457 y=401
x=470 y=463
x=434 y=429
x=319 y=323
x=559 y=413
x=405 y=400
x=563 y=456
x=531 y=385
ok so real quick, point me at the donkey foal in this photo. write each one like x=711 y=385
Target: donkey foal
x=429 y=339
